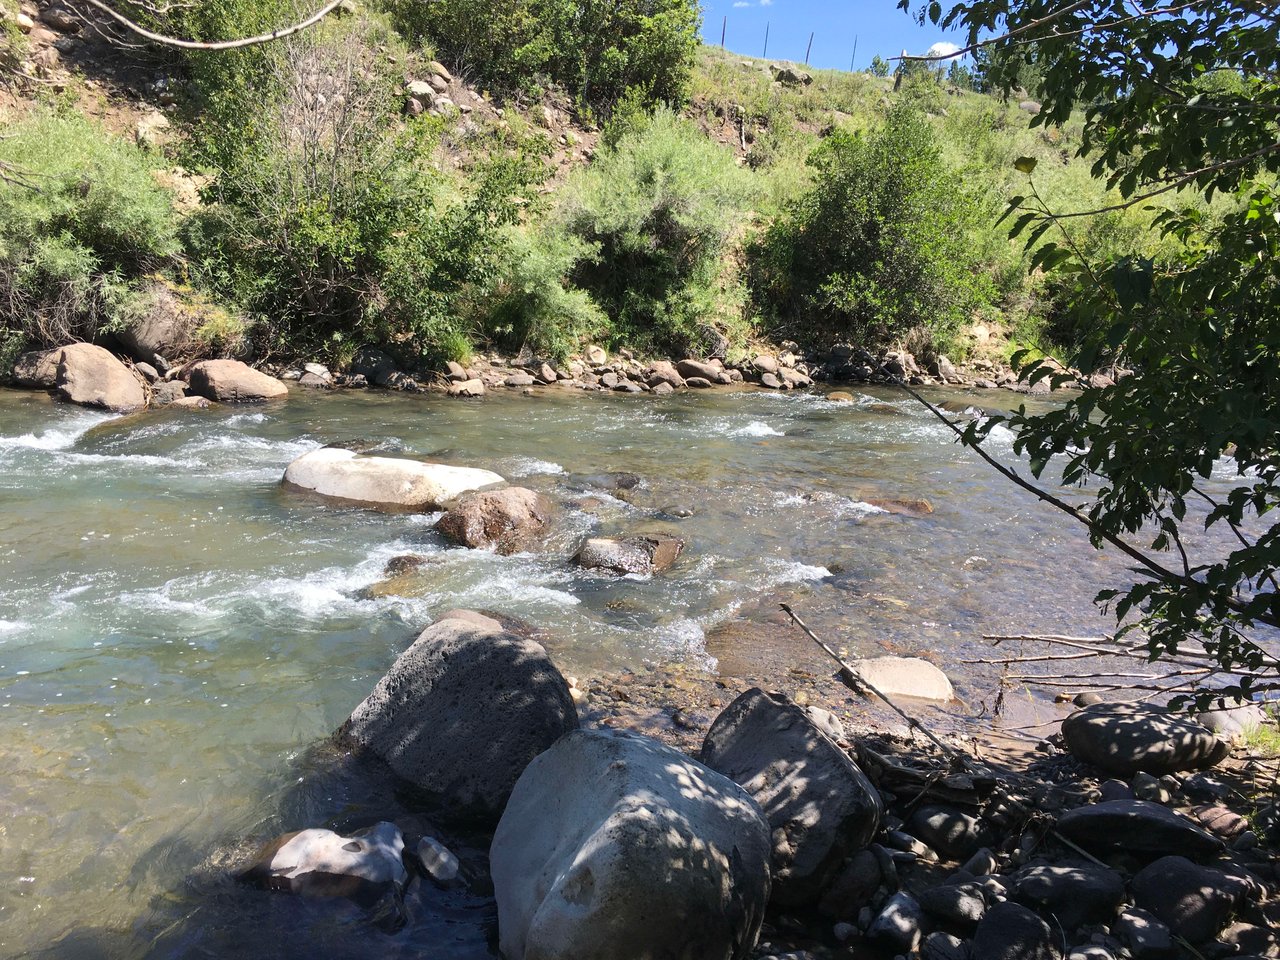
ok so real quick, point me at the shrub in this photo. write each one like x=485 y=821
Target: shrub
x=82 y=222
x=880 y=245
x=595 y=49
x=658 y=212
x=333 y=218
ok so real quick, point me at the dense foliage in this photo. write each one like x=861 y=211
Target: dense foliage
x=1177 y=108
x=881 y=245
x=332 y=219
x=658 y=212
x=81 y=225
x=597 y=50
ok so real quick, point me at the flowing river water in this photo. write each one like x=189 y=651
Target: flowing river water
x=178 y=632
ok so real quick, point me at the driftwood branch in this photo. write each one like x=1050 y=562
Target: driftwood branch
x=850 y=675
x=168 y=41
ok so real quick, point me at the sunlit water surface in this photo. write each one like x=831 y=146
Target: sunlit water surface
x=178 y=632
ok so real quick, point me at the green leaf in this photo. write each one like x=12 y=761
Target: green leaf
x=1025 y=165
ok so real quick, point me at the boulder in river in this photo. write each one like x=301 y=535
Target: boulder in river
x=390 y=482
x=230 y=381
x=615 y=846
x=1137 y=826
x=1125 y=738
x=905 y=677
x=462 y=711
x=505 y=519
x=319 y=863
x=37 y=369
x=819 y=805
x=638 y=555
x=92 y=377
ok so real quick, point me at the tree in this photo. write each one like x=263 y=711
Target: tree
x=1180 y=105
x=879 y=66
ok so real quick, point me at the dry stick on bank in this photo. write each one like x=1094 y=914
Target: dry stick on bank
x=854 y=679
x=168 y=41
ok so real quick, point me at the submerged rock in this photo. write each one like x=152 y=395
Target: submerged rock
x=462 y=711
x=1125 y=738
x=384 y=481
x=506 y=519
x=639 y=555
x=819 y=805
x=230 y=381
x=615 y=846
x=92 y=377
x=363 y=867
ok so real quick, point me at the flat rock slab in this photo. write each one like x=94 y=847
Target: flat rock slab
x=1125 y=738
x=819 y=805
x=615 y=846
x=1012 y=932
x=462 y=712
x=230 y=381
x=389 y=482
x=92 y=377
x=1137 y=826
x=905 y=677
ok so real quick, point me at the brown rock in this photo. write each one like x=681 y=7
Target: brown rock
x=93 y=377
x=190 y=403
x=906 y=508
x=639 y=555
x=506 y=518
x=37 y=369
x=710 y=370
x=467 y=388
x=230 y=381
x=664 y=371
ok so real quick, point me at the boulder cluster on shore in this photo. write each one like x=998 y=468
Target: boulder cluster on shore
x=141 y=377
x=784 y=835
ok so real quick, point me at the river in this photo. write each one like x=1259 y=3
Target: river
x=178 y=632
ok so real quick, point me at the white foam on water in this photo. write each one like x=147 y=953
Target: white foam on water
x=681 y=636
x=791 y=500
x=756 y=428
x=122 y=459
x=12 y=626
x=858 y=508
x=793 y=571
x=161 y=600
x=57 y=438
x=528 y=467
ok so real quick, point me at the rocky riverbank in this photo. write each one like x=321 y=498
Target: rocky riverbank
x=760 y=825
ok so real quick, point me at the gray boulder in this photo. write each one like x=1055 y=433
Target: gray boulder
x=961 y=904
x=392 y=483
x=166 y=328
x=712 y=371
x=374 y=365
x=1194 y=902
x=37 y=369
x=319 y=863
x=951 y=832
x=230 y=381
x=506 y=519
x=1074 y=895
x=168 y=391
x=638 y=555
x=614 y=847
x=1145 y=936
x=1012 y=932
x=92 y=377
x=1125 y=738
x=819 y=805
x=1137 y=826
x=899 y=925
x=462 y=712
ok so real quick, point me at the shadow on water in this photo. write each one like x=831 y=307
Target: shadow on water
x=209 y=913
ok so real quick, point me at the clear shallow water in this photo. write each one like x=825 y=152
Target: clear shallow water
x=177 y=632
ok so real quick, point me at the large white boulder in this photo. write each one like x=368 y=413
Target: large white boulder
x=614 y=846
x=384 y=481
x=905 y=677
x=462 y=711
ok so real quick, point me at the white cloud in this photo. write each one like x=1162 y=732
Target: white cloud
x=741 y=3
x=766 y=3
x=943 y=48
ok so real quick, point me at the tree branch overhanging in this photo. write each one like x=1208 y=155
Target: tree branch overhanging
x=181 y=44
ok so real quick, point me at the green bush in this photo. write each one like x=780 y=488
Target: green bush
x=334 y=220
x=880 y=246
x=81 y=222
x=595 y=49
x=658 y=213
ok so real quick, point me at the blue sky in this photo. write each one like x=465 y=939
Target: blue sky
x=878 y=24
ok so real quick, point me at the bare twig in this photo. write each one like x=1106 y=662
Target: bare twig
x=213 y=44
